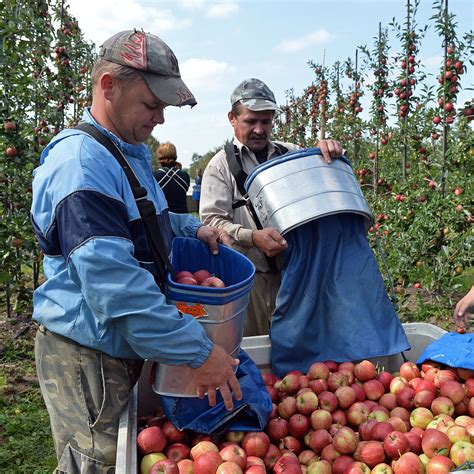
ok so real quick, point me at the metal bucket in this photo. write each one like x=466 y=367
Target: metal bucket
x=299 y=187
x=221 y=311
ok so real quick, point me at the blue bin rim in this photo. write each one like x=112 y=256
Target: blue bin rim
x=286 y=157
x=210 y=295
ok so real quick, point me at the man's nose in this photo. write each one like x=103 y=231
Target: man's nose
x=159 y=115
x=258 y=129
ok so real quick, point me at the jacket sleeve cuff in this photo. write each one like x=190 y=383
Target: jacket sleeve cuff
x=245 y=237
x=203 y=355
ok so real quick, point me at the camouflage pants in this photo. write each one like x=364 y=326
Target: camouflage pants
x=85 y=392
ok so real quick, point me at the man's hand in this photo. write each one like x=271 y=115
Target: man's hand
x=465 y=306
x=269 y=241
x=330 y=149
x=218 y=373
x=213 y=236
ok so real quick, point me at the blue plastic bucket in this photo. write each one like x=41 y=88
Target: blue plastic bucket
x=221 y=311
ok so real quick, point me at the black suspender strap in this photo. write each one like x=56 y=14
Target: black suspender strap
x=146 y=207
x=235 y=166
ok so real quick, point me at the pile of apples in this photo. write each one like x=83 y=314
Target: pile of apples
x=200 y=278
x=345 y=418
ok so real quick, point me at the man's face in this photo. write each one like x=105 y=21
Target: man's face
x=134 y=111
x=252 y=128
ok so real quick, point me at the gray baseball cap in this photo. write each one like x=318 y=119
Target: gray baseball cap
x=255 y=95
x=155 y=62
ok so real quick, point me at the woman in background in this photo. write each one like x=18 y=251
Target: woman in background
x=172 y=179
x=197 y=188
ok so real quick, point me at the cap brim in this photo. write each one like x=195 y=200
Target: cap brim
x=259 y=105
x=170 y=90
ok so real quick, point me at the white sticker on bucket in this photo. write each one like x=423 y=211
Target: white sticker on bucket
x=194 y=309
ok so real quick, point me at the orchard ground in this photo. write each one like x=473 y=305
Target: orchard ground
x=25 y=438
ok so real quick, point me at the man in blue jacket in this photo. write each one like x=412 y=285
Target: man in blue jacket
x=100 y=310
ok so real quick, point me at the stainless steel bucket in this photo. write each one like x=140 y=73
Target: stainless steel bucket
x=224 y=325
x=221 y=311
x=299 y=187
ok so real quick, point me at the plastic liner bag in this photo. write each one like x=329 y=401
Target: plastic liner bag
x=453 y=349
x=332 y=303
x=249 y=414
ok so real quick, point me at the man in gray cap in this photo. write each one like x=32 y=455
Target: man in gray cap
x=101 y=310
x=222 y=197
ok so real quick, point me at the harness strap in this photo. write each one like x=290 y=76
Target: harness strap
x=235 y=166
x=172 y=174
x=146 y=208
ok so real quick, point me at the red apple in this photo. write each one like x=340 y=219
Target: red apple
x=149 y=459
x=345 y=440
x=340 y=464
x=307 y=402
x=389 y=401
x=186 y=281
x=277 y=428
x=382 y=468
x=336 y=380
x=207 y=463
x=272 y=456
x=329 y=453
x=256 y=444
x=203 y=447
x=164 y=466
x=287 y=407
x=298 y=425
x=427 y=385
x=373 y=389
x=173 y=434
x=185 y=466
x=229 y=467
x=420 y=417
x=398 y=383
x=318 y=385
x=439 y=465
x=409 y=370
x=370 y=453
x=255 y=469
x=327 y=401
x=395 y=444
x=318 y=439
x=339 y=417
x=434 y=442
x=357 y=413
x=291 y=444
x=320 y=419
x=213 y=282
x=385 y=378
x=457 y=433
x=290 y=383
x=177 y=451
x=151 y=440
x=365 y=370
x=465 y=374
x=442 y=405
x=318 y=370
x=346 y=396
x=424 y=398
x=461 y=452
x=183 y=274
x=453 y=390
x=201 y=275
x=359 y=391
x=405 y=398
x=235 y=436
x=380 y=430
x=235 y=454
x=415 y=442
x=357 y=467
x=409 y=463
x=287 y=465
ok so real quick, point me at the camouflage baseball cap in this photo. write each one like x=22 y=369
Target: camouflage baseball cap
x=155 y=62
x=255 y=95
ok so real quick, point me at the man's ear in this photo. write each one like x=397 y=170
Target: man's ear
x=108 y=83
x=232 y=118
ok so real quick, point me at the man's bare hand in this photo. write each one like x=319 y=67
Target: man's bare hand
x=330 y=149
x=218 y=373
x=463 y=308
x=269 y=241
x=213 y=236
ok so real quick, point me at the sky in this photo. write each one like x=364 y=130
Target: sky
x=220 y=43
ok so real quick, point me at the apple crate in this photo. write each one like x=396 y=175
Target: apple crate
x=144 y=401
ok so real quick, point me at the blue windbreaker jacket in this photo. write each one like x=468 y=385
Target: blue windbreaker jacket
x=99 y=289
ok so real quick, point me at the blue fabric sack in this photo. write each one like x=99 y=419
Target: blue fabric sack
x=249 y=414
x=332 y=303
x=453 y=349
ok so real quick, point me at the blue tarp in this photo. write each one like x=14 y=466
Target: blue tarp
x=455 y=350
x=249 y=414
x=332 y=302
